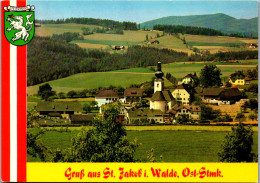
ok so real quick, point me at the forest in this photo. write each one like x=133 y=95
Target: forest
x=49 y=59
x=112 y=24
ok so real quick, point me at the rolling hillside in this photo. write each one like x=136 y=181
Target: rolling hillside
x=219 y=21
x=126 y=77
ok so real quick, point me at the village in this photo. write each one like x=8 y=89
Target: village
x=186 y=103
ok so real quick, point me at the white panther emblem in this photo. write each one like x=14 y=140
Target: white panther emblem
x=18 y=25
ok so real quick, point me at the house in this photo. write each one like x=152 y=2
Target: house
x=118 y=47
x=253 y=45
x=153 y=41
x=193 y=111
x=232 y=61
x=38 y=25
x=83 y=119
x=105 y=97
x=219 y=96
x=58 y=109
x=189 y=78
x=133 y=95
x=237 y=78
x=161 y=99
x=181 y=94
x=145 y=113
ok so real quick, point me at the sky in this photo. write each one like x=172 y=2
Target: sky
x=141 y=11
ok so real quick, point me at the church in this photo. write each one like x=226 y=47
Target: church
x=161 y=99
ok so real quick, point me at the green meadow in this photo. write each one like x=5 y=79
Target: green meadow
x=197 y=145
x=126 y=77
x=105 y=42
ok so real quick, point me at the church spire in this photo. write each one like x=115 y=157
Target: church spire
x=159 y=74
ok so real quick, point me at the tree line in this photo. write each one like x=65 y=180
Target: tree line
x=112 y=24
x=174 y=29
x=49 y=59
x=188 y=30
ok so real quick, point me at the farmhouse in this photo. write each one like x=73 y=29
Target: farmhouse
x=193 y=111
x=38 y=25
x=83 y=119
x=189 y=78
x=181 y=94
x=153 y=41
x=237 y=78
x=118 y=47
x=105 y=97
x=145 y=113
x=133 y=95
x=252 y=45
x=58 y=109
x=161 y=100
x=219 y=96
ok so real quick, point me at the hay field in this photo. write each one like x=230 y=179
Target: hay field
x=50 y=29
x=215 y=39
x=173 y=43
x=128 y=36
x=92 y=46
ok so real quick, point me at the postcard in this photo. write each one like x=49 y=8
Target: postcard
x=129 y=91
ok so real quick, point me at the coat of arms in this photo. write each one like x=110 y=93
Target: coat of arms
x=19 y=25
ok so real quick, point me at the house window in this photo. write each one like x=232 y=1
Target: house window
x=157 y=85
x=106 y=98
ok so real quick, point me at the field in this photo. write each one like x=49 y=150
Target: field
x=130 y=76
x=171 y=42
x=94 y=80
x=104 y=41
x=128 y=36
x=218 y=43
x=180 y=69
x=177 y=144
x=50 y=29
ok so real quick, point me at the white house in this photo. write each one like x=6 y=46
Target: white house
x=105 y=97
x=181 y=95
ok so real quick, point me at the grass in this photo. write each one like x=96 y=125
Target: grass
x=215 y=44
x=75 y=99
x=94 y=80
x=137 y=69
x=179 y=69
x=215 y=39
x=50 y=29
x=128 y=36
x=171 y=42
x=126 y=77
x=105 y=42
x=193 y=145
x=33 y=99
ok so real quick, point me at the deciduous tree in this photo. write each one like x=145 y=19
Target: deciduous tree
x=238 y=145
x=210 y=76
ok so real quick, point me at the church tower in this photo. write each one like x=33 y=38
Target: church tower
x=159 y=82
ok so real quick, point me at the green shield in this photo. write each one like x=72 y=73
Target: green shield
x=19 y=27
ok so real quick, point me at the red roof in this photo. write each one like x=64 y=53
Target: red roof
x=107 y=93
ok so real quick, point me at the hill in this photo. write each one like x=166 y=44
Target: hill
x=219 y=21
x=126 y=77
